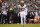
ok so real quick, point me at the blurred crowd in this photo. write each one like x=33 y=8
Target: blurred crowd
x=11 y=9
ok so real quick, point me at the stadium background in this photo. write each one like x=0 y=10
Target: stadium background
x=16 y=2
x=13 y=3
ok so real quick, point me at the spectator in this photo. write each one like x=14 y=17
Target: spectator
x=4 y=16
x=0 y=4
x=30 y=16
x=39 y=16
x=0 y=15
x=36 y=17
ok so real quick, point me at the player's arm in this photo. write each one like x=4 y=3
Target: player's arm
x=18 y=10
x=26 y=8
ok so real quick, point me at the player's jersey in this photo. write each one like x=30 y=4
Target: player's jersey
x=4 y=12
x=23 y=7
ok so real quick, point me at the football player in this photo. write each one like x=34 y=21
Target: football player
x=22 y=12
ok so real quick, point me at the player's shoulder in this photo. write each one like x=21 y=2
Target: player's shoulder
x=19 y=5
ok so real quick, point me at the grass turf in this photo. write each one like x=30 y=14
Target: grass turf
x=19 y=25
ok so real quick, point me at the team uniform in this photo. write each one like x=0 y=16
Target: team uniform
x=23 y=13
x=4 y=12
x=4 y=16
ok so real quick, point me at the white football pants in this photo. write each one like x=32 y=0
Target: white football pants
x=23 y=18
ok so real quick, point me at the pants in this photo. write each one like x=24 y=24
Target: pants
x=4 y=19
x=8 y=17
x=27 y=20
x=23 y=18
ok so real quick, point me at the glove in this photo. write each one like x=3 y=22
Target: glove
x=18 y=14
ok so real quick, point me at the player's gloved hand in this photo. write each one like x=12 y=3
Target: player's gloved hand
x=18 y=14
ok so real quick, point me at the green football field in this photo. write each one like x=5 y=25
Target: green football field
x=19 y=25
